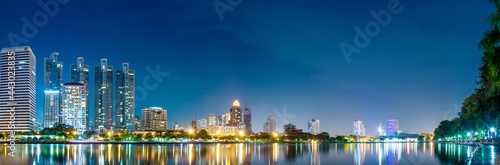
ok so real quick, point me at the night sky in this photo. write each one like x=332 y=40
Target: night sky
x=281 y=55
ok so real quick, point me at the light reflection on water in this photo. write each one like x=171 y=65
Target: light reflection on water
x=239 y=153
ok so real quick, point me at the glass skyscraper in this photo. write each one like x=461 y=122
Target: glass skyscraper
x=125 y=97
x=80 y=74
x=17 y=89
x=313 y=126
x=103 y=97
x=74 y=107
x=235 y=114
x=52 y=96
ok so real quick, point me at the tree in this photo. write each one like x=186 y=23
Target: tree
x=323 y=136
x=203 y=134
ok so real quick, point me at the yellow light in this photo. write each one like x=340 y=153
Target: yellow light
x=190 y=131
x=236 y=103
x=242 y=133
x=275 y=134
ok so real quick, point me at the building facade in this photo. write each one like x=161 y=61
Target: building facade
x=270 y=125
x=212 y=120
x=103 y=97
x=359 y=128
x=235 y=112
x=201 y=124
x=247 y=120
x=80 y=74
x=74 y=107
x=392 y=127
x=125 y=97
x=154 y=119
x=17 y=89
x=53 y=73
x=313 y=126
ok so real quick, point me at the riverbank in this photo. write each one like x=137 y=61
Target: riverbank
x=192 y=142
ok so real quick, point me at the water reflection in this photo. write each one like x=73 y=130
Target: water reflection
x=240 y=153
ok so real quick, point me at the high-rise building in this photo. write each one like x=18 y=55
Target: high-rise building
x=247 y=120
x=154 y=119
x=392 y=127
x=201 y=124
x=270 y=124
x=212 y=121
x=313 y=126
x=359 y=128
x=177 y=126
x=74 y=107
x=53 y=72
x=17 y=89
x=236 y=114
x=125 y=95
x=103 y=97
x=137 y=124
x=80 y=74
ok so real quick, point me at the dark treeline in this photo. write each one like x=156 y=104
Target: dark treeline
x=480 y=112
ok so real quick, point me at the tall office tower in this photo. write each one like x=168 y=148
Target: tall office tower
x=137 y=124
x=125 y=95
x=201 y=124
x=359 y=128
x=212 y=121
x=103 y=97
x=236 y=114
x=270 y=124
x=53 y=71
x=392 y=127
x=80 y=74
x=74 y=107
x=17 y=89
x=247 y=120
x=154 y=119
x=176 y=126
x=313 y=126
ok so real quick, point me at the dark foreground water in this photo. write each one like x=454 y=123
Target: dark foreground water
x=245 y=153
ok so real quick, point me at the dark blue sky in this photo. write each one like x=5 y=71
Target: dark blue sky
x=274 y=55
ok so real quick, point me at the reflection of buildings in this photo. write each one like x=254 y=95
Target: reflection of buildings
x=20 y=61
x=392 y=127
x=154 y=119
x=270 y=124
x=313 y=126
x=359 y=128
x=73 y=113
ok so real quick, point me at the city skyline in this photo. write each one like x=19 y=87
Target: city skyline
x=250 y=57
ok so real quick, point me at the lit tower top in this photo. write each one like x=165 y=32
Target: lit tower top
x=236 y=103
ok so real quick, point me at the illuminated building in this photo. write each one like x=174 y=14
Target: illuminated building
x=359 y=128
x=392 y=127
x=103 y=97
x=125 y=96
x=270 y=124
x=235 y=114
x=74 y=107
x=154 y=119
x=53 y=72
x=17 y=89
x=313 y=126
x=80 y=74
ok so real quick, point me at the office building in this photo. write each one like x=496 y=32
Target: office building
x=80 y=74
x=247 y=120
x=53 y=72
x=236 y=114
x=17 y=89
x=154 y=119
x=392 y=127
x=212 y=120
x=74 y=107
x=103 y=97
x=201 y=124
x=313 y=126
x=270 y=125
x=125 y=108
x=359 y=128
